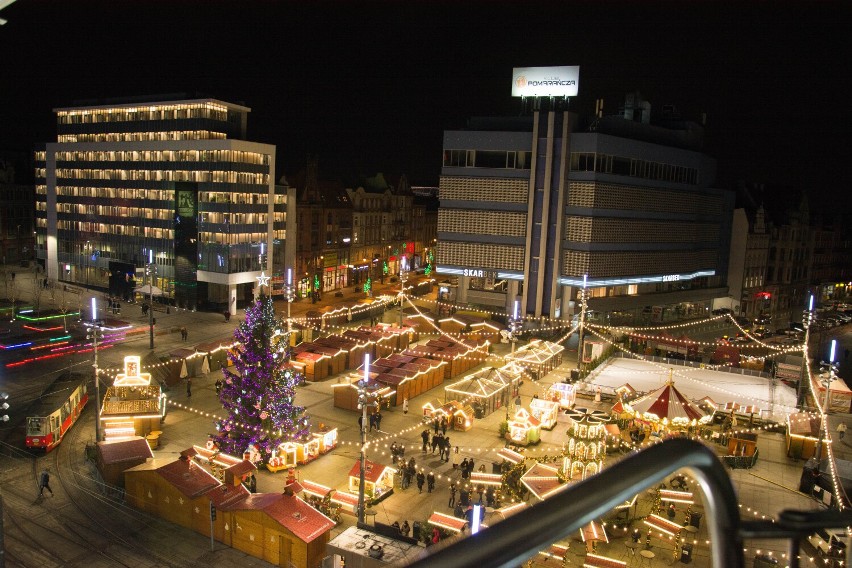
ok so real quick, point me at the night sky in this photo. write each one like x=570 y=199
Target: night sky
x=371 y=86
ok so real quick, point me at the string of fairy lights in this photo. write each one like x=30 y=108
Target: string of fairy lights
x=382 y=444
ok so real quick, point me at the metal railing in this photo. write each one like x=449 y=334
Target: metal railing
x=509 y=543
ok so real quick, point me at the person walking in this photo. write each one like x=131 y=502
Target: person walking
x=252 y=483
x=456 y=457
x=464 y=468
x=424 y=435
x=218 y=386
x=430 y=481
x=452 y=502
x=444 y=425
x=378 y=421
x=405 y=529
x=421 y=479
x=841 y=430
x=188 y=387
x=44 y=483
x=405 y=405
x=436 y=424
x=447 y=447
x=434 y=443
x=184 y=333
x=372 y=422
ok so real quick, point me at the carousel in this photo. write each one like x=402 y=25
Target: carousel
x=662 y=411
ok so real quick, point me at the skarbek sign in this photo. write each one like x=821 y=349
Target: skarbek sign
x=545 y=81
x=479 y=273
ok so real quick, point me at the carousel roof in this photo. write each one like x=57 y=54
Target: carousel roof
x=667 y=402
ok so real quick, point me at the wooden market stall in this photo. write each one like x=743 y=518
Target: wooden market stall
x=346 y=391
x=460 y=415
x=354 y=349
x=840 y=396
x=545 y=411
x=539 y=357
x=316 y=364
x=542 y=480
x=802 y=437
x=378 y=479
x=113 y=458
x=487 y=390
x=279 y=528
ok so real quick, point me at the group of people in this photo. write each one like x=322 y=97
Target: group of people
x=438 y=442
x=466 y=467
x=403 y=529
x=375 y=421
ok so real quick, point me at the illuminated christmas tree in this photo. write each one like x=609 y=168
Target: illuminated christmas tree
x=259 y=393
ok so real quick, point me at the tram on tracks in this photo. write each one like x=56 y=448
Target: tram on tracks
x=52 y=415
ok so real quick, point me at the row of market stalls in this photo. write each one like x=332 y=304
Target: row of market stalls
x=327 y=356
x=414 y=371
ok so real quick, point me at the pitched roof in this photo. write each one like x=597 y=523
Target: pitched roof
x=300 y=518
x=124 y=450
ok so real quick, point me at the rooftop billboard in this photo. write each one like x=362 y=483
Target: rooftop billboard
x=545 y=81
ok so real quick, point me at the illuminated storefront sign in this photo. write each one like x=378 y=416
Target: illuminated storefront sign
x=545 y=81
x=479 y=273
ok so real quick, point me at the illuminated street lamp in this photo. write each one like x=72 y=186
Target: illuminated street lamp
x=95 y=332
x=150 y=273
x=366 y=399
x=582 y=325
x=829 y=370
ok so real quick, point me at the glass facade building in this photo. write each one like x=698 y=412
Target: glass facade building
x=169 y=183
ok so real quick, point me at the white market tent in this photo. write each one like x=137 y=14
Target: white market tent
x=696 y=384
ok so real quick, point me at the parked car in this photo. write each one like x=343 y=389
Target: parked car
x=797 y=326
x=762 y=332
x=721 y=311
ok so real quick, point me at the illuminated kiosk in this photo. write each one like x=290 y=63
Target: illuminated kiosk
x=378 y=480
x=586 y=443
x=545 y=411
x=285 y=456
x=563 y=393
x=133 y=406
x=524 y=428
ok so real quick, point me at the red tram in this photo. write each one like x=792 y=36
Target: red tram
x=57 y=410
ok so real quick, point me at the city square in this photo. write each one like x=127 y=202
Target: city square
x=371 y=283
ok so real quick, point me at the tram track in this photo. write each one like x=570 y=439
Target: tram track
x=112 y=523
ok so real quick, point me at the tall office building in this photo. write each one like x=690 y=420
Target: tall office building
x=536 y=207
x=137 y=183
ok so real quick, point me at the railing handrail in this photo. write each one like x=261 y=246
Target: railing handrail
x=510 y=542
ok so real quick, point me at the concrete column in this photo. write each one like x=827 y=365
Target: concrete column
x=461 y=291
x=232 y=298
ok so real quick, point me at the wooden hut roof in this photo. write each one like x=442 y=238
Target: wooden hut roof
x=372 y=471
x=124 y=450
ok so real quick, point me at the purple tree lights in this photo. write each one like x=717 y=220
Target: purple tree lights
x=259 y=393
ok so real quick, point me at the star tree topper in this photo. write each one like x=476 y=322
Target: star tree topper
x=263 y=280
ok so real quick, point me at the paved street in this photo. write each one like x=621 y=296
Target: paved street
x=763 y=491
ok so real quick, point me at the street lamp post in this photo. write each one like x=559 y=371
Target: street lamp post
x=514 y=324
x=150 y=273
x=96 y=332
x=288 y=290
x=364 y=402
x=829 y=368
x=403 y=278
